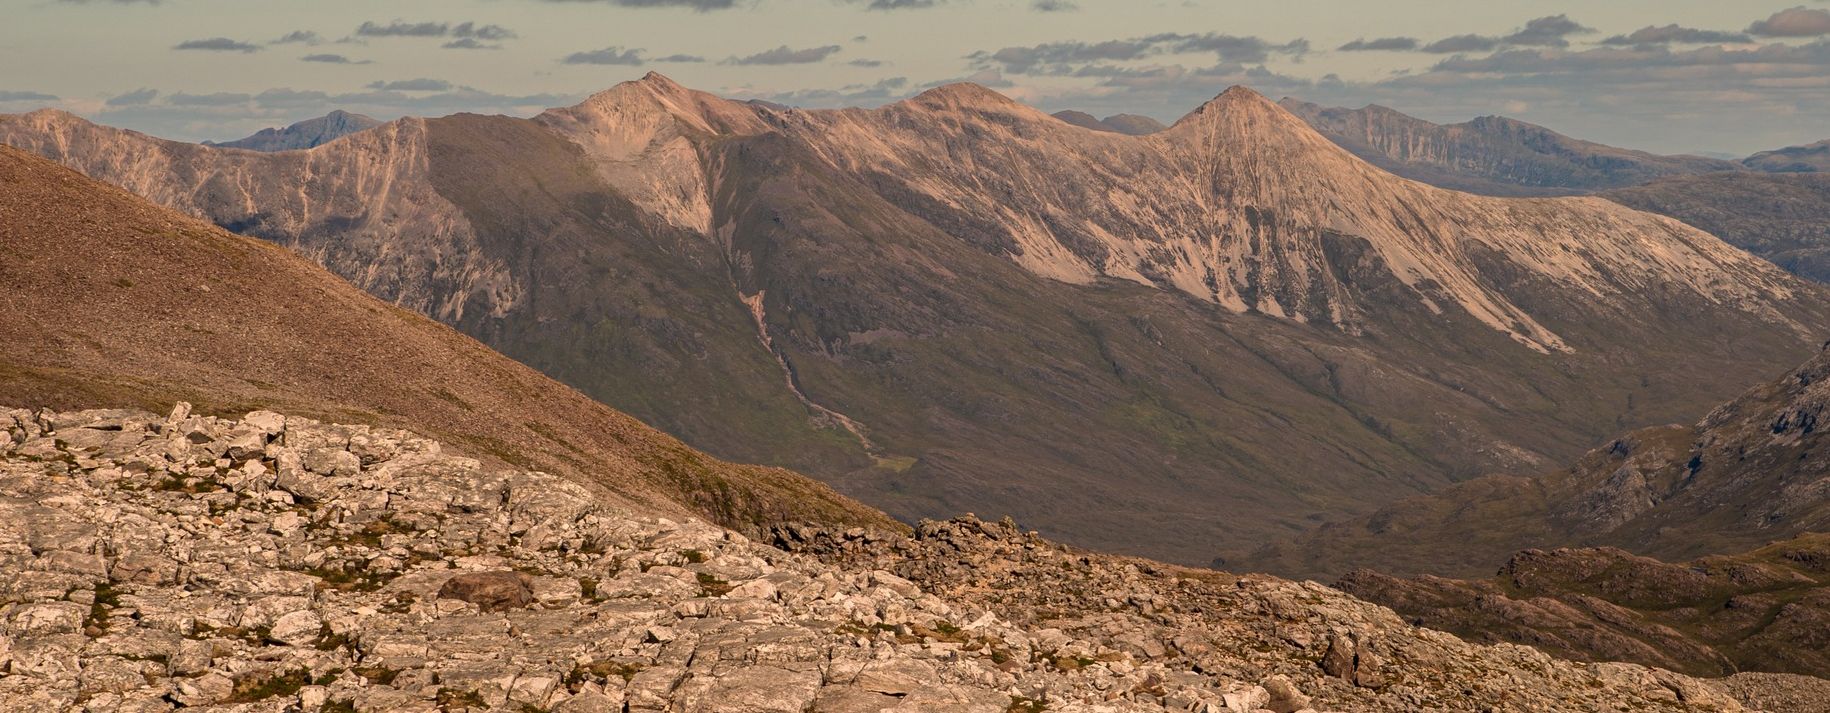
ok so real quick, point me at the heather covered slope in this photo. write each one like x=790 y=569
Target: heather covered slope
x=1809 y=158
x=1180 y=344
x=108 y=300
x=1783 y=217
x=1749 y=473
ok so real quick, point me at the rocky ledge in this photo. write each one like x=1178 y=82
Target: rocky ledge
x=277 y=564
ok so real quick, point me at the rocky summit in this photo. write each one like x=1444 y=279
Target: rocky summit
x=277 y=563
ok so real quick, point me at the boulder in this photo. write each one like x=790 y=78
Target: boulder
x=490 y=591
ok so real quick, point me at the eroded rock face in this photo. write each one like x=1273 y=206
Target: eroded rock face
x=151 y=570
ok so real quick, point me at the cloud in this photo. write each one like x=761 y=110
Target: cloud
x=1667 y=34
x=681 y=58
x=466 y=35
x=412 y=85
x=136 y=97
x=217 y=44
x=866 y=62
x=1551 y=31
x=109 y=2
x=1381 y=44
x=895 y=4
x=1054 y=6
x=21 y=96
x=608 y=56
x=331 y=59
x=399 y=28
x=1796 y=22
x=1071 y=57
x=482 y=32
x=306 y=37
x=1462 y=43
x=786 y=55
x=469 y=43
x=699 y=5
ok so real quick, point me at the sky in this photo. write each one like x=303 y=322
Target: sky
x=1670 y=76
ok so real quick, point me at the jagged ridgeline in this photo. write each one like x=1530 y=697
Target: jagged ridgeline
x=1180 y=344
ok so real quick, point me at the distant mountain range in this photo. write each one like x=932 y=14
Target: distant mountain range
x=1182 y=344
x=1811 y=158
x=305 y=134
x=1129 y=124
x=1496 y=155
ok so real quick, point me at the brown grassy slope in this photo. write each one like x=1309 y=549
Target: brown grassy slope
x=106 y=299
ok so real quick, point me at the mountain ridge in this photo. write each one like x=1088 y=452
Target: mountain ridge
x=982 y=308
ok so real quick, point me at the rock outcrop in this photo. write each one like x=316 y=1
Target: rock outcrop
x=274 y=563
x=1306 y=644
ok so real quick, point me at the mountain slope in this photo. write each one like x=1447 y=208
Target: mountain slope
x=107 y=300
x=1493 y=155
x=304 y=134
x=1749 y=473
x=1766 y=610
x=1809 y=158
x=1784 y=218
x=1180 y=344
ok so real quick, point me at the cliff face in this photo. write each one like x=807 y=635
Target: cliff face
x=1181 y=344
x=365 y=207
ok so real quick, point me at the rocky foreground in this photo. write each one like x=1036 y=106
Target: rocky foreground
x=282 y=564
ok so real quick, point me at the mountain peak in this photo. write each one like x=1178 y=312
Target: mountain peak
x=306 y=134
x=1237 y=100
x=963 y=95
x=660 y=82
